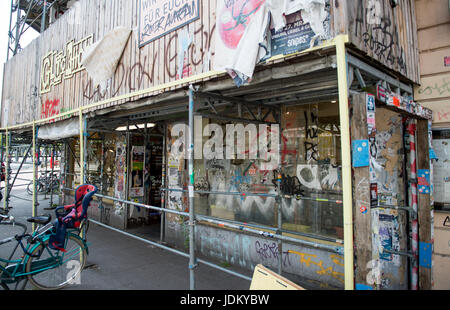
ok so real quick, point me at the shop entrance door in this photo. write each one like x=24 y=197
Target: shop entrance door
x=389 y=225
x=146 y=159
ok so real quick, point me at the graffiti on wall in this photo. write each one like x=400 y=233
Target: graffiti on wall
x=130 y=78
x=248 y=251
x=436 y=88
x=379 y=33
x=121 y=170
x=50 y=108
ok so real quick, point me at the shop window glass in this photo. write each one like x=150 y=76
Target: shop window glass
x=310 y=167
x=311 y=159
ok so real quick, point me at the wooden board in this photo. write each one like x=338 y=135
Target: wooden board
x=361 y=194
x=266 y=279
x=386 y=36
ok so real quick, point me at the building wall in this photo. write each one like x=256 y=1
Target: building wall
x=433 y=22
x=35 y=90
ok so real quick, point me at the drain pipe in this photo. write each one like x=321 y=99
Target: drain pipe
x=341 y=57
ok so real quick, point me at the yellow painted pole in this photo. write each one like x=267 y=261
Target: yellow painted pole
x=33 y=211
x=341 y=57
x=5 y=198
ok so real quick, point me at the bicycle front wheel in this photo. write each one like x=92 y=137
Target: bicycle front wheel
x=55 y=269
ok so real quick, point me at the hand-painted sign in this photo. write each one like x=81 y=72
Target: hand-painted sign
x=57 y=65
x=159 y=17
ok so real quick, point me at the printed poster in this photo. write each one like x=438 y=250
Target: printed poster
x=294 y=37
x=441 y=170
x=137 y=171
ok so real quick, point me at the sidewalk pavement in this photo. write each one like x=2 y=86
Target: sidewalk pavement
x=120 y=262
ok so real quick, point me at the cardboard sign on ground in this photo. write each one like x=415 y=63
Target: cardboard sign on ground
x=265 y=279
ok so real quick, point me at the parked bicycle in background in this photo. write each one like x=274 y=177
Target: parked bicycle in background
x=45 y=184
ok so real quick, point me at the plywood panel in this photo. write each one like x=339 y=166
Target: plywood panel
x=386 y=35
x=441 y=265
x=442 y=233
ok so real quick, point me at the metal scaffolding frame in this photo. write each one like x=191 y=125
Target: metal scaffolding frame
x=34 y=14
x=42 y=154
x=348 y=66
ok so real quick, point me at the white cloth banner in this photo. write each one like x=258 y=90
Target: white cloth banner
x=101 y=58
x=60 y=130
x=241 y=27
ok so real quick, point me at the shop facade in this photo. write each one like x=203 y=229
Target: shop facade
x=308 y=165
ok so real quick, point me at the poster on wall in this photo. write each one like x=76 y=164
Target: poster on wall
x=441 y=170
x=294 y=37
x=137 y=171
x=158 y=17
x=120 y=163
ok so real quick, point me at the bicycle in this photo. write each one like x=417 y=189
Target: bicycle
x=45 y=265
x=42 y=266
x=44 y=184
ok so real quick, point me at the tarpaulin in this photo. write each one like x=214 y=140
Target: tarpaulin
x=60 y=130
x=101 y=58
x=240 y=32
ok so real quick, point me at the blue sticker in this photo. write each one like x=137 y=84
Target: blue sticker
x=360 y=153
x=425 y=254
x=433 y=154
x=363 y=287
x=424 y=181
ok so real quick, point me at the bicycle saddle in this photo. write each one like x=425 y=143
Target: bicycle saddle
x=42 y=220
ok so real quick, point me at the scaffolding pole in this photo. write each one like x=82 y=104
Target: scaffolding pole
x=341 y=57
x=192 y=259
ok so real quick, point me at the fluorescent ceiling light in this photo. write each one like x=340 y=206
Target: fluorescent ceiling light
x=132 y=127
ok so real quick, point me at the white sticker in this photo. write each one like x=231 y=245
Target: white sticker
x=191 y=191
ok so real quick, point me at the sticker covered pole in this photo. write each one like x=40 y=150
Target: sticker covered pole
x=414 y=203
